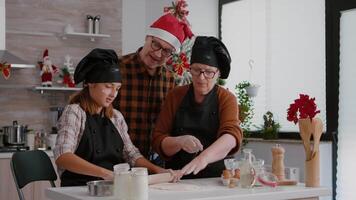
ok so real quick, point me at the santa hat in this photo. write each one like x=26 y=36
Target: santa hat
x=45 y=54
x=171 y=30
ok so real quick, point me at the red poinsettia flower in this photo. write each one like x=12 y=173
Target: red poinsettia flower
x=181 y=64
x=304 y=106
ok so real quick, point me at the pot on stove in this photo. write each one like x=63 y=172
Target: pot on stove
x=15 y=134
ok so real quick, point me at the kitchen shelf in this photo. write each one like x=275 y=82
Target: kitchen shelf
x=92 y=36
x=42 y=89
x=30 y=33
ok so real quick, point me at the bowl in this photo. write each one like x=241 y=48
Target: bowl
x=100 y=188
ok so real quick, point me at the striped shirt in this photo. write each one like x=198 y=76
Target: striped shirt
x=140 y=98
x=71 y=126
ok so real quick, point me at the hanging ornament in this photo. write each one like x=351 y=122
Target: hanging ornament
x=5 y=69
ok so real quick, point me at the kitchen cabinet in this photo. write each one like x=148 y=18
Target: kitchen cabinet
x=32 y=191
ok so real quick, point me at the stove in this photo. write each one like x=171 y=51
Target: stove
x=14 y=148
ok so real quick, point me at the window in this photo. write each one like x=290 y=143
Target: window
x=284 y=42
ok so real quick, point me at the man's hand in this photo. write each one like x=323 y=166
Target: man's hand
x=190 y=143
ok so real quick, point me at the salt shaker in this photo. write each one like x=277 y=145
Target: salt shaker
x=97 y=24
x=139 y=183
x=278 y=161
x=90 y=23
x=122 y=181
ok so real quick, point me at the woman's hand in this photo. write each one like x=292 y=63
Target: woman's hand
x=107 y=174
x=195 y=166
x=190 y=143
x=176 y=175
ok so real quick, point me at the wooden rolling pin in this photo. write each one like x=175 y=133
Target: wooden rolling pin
x=159 y=178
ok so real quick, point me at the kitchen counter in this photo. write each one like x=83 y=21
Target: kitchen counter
x=6 y=155
x=208 y=189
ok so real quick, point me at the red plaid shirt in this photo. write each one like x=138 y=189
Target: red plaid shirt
x=140 y=99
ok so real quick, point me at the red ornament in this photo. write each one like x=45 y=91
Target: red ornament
x=5 y=70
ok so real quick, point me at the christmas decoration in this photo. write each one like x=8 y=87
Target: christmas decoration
x=67 y=78
x=304 y=106
x=179 y=62
x=48 y=70
x=5 y=69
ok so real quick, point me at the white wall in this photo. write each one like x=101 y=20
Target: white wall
x=135 y=24
x=2 y=24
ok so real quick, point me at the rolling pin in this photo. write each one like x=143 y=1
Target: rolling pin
x=159 y=178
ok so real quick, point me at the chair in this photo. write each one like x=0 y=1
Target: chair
x=30 y=166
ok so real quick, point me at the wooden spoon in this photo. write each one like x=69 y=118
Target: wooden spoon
x=305 y=129
x=318 y=131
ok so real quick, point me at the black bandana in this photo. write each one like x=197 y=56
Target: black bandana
x=211 y=51
x=99 y=66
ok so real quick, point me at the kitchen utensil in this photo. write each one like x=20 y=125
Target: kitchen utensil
x=305 y=129
x=318 y=131
x=15 y=134
x=267 y=179
x=100 y=188
x=278 y=168
x=159 y=178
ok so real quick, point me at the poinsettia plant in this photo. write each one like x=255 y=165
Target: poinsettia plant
x=178 y=63
x=302 y=108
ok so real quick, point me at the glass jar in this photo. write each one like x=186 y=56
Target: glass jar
x=122 y=181
x=139 y=183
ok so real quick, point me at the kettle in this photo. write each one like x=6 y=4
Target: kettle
x=15 y=134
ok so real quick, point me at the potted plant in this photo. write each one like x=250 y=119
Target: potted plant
x=246 y=110
x=269 y=129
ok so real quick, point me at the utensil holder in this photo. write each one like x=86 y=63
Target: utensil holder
x=312 y=171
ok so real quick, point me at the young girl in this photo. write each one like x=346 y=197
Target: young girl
x=92 y=136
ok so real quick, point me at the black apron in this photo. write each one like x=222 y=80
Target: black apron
x=201 y=121
x=101 y=144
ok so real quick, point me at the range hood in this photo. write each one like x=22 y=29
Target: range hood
x=6 y=56
x=16 y=62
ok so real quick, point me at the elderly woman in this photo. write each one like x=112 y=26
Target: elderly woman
x=92 y=136
x=199 y=125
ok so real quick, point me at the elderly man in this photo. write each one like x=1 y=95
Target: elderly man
x=147 y=81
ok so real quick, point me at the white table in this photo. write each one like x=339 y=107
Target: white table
x=210 y=189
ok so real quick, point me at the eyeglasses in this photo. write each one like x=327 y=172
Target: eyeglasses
x=207 y=74
x=156 y=46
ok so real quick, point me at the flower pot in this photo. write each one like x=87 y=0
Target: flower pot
x=252 y=90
